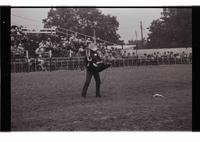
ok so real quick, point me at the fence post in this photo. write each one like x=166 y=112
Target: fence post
x=21 y=66
x=157 y=59
x=61 y=67
x=27 y=60
x=78 y=66
x=68 y=63
x=131 y=61
x=50 y=64
x=72 y=63
x=28 y=65
x=168 y=60
x=50 y=55
x=187 y=60
x=14 y=67
x=35 y=65
x=57 y=64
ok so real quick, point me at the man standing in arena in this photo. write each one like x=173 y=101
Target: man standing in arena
x=92 y=61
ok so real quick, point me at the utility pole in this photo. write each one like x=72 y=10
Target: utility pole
x=94 y=31
x=141 y=33
x=136 y=35
x=136 y=41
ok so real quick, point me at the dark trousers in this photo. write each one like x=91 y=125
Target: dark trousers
x=89 y=75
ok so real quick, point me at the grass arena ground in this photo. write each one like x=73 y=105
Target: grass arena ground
x=51 y=101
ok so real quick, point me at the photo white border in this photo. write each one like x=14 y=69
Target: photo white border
x=99 y=136
x=100 y=2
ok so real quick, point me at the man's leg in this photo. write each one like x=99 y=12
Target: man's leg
x=98 y=82
x=87 y=82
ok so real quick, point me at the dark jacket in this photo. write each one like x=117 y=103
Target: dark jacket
x=95 y=64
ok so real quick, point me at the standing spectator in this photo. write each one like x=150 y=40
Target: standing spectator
x=49 y=44
x=40 y=50
x=184 y=57
x=42 y=44
x=41 y=62
x=171 y=57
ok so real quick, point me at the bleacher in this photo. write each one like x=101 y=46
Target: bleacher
x=61 y=60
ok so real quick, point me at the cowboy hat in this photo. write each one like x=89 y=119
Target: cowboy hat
x=92 y=47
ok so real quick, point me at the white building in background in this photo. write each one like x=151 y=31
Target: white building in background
x=187 y=50
x=131 y=49
x=125 y=49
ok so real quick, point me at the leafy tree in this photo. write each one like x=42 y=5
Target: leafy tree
x=85 y=20
x=172 y=29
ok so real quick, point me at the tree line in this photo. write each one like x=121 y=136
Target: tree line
x=86 y=21
x=172 y=30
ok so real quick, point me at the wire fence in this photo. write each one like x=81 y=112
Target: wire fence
x=78 y=63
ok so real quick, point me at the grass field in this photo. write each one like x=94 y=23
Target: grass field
x=51 y=101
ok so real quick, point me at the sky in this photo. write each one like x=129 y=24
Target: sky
x=128 y=18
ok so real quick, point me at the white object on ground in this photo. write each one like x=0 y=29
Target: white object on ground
x=158 y=95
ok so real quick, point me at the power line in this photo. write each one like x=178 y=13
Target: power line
x=83 y=35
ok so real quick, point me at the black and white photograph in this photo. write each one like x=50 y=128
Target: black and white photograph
x=101 y=69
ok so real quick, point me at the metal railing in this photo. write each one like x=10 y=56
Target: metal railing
x=76 y=63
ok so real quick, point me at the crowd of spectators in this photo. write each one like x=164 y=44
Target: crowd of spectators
x=73 y=46
x=60 y=45
x=18 y=38
x=166 y=55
